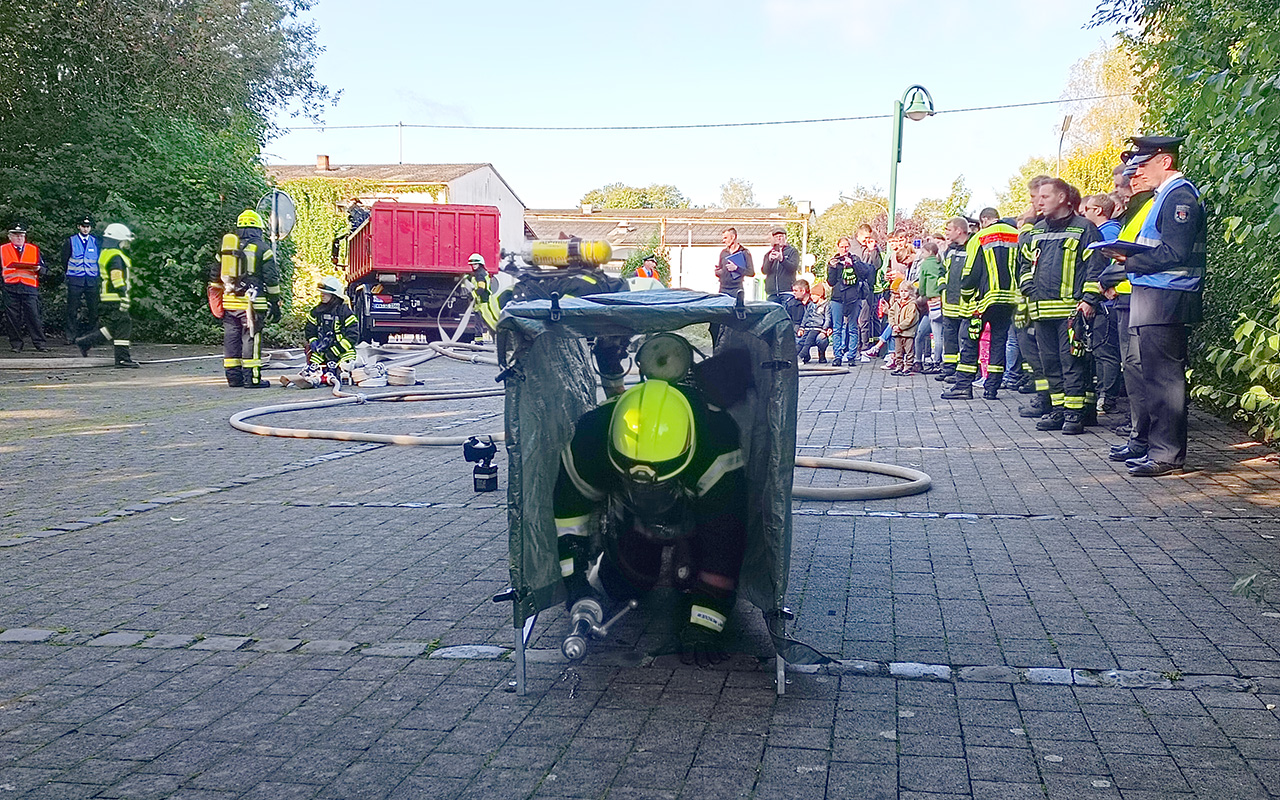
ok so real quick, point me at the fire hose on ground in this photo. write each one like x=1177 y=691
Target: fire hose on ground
x=914 y=481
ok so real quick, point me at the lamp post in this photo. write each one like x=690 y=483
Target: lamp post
x=916 y=104
x=1066 y=126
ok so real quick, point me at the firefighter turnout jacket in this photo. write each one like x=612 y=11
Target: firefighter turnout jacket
x=1055 y=268
x=990 y=263
x=332 y=331
x=115 y=269
x=712 y=493
x=252 y=268
x=953 y=267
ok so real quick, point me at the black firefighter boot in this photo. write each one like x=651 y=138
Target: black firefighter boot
x=83 y=343
x=1037 y=407
x=1090 y=415
x=991 y=388
x=962 y=390
x=1072 y=423
x=250 y=383
x=235 y=377
x=1052 y=421
x=124 y=360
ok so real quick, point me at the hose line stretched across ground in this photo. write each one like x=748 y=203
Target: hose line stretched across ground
x=916 y=481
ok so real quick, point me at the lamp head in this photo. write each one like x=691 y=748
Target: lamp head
x=919 y=104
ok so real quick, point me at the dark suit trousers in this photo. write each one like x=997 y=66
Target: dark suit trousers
x=1139 y=422
x=1162 y=349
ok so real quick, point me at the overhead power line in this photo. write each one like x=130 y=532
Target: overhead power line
x=695 y=126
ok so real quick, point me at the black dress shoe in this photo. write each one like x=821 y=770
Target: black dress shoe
x=1151 y=469
x=1126 y=453
x=40 y=348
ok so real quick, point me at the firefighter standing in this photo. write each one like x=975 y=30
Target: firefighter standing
x=986 y=286
x=115 y=281
x=23 y=267
x=954 y=310
x=1059 y=277
x=332 y=329
x=249 y=278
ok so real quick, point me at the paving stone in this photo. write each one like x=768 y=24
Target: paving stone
x=404 y=649
x=29 y=635
x=908 y=669
x=276 y=645
x=167 y=641
x=1051 y=676
x=471 y=652
x=333 y=647
x=994 y=674
x=227 y=643
x=117 y=639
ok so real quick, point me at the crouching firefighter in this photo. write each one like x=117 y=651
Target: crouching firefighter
x=654 y=468
x=115 y=324
x=249 y=280
x=332 y=328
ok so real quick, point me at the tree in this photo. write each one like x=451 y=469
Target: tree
x=620 y=195
x=933 y=212
x=737 y=193
x=153 y=115
x=1107 y=73
x=1016 y=198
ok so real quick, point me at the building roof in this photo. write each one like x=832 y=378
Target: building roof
x=635 y=227
x=383 y=173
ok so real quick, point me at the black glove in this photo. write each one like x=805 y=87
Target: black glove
x=273 y=309
x=701 y=647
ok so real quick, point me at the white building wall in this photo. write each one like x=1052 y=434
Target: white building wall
x=695 y=268
x=483 y=187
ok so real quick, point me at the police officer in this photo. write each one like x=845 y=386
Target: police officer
x=987 y=286
x=116 y=270
x=22 y=266
x=1168 y=281
x=1115 y=281
x=250 y=280
x=80 y=260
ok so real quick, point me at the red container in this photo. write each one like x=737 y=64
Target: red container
x=406 y=265
x=418 y=237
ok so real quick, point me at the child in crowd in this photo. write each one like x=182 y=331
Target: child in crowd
x=904 y=318
x=815 y=325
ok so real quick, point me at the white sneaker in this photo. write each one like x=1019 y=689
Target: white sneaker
x=864 y=359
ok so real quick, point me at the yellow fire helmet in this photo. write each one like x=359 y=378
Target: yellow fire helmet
x=249 y=219
x=651 y=433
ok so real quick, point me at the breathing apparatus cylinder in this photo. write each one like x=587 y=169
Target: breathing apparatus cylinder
x=569 y=253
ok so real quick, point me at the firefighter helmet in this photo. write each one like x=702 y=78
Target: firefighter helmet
x=249 y=219
x=651 y=433
x=120 y=233
x=476 y=260
x=331 y=285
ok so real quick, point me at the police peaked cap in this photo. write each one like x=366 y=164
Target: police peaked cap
x=86 y=220
x=18 y=228
x=1145 y=147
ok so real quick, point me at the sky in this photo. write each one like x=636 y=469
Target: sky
x=698 y=61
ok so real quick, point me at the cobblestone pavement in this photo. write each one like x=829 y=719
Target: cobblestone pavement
x=191 y=612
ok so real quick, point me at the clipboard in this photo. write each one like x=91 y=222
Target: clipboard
x=1126 y=249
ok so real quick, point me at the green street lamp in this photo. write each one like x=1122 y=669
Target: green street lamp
x=915 y=105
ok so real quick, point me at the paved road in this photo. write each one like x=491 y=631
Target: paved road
x=191 y=612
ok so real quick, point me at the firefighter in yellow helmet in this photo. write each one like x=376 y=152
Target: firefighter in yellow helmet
x=249 y=279
x=656 y=467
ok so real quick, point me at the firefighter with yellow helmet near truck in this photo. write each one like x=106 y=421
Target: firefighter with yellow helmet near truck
x=247 y=279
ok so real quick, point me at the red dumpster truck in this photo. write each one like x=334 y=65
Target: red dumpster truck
x=405 y=264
